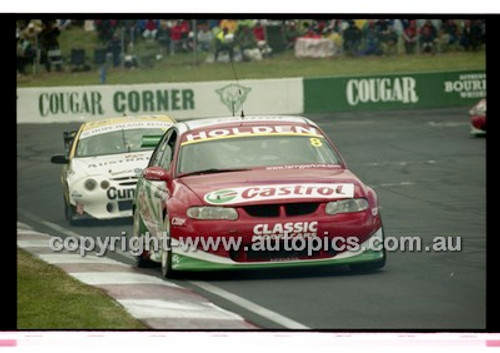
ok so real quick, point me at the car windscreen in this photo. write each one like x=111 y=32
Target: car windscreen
x=251 y=152
x=120 y=141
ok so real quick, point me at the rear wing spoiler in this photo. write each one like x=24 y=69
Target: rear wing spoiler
x=150 y=140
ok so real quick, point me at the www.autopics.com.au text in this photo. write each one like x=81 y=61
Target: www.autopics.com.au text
x=308 y=243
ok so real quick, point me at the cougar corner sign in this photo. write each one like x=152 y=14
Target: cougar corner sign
x=180 y=100
x=233 y=96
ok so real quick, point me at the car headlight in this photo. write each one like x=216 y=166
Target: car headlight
x=346 y=206
x=90 y=184
x=212 y=213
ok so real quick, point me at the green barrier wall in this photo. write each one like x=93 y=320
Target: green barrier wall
x=401 y=91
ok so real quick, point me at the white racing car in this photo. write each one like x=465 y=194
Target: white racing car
x=102 y=162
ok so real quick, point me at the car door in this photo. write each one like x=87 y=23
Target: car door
x=154 y=194
x=143 y=201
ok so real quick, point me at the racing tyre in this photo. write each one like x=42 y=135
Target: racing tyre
x=166 y=256
x=69 y=213
x=142 y=260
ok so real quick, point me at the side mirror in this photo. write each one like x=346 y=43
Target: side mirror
x=68 y=137
x=59 y=159
x=156 y=174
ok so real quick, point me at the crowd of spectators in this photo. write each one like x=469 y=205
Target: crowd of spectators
x=37 y=38
x=174 y=36
x=247 y=39
x=391 y=36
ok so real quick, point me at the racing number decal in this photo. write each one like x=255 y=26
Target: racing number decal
x=315 y=142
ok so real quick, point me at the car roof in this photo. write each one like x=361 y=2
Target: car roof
x=196 y=124
x=127 y=119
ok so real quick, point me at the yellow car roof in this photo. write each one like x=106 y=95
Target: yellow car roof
x=126 y=119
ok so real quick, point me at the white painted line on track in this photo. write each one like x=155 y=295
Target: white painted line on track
x=23 y=226
x=448 y=123
x=384 y=185
x=104 y=278
x=60 y=229
x=157 y=308
x=24 y=232
x=76 y=259
x=42 y=243
x=251 y=306
x=399 y=163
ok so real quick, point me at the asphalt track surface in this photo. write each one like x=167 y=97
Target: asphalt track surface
x=430 y=177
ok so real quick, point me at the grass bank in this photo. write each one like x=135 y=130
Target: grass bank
x=47 y=298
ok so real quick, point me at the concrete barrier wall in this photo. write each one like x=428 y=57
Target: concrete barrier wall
x=180 y=100
x=273 y=96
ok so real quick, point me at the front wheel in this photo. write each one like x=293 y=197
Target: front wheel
x=142 y=260
x=166 y=255
x=69 y=213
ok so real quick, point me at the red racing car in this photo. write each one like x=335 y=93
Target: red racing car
x=253 y=192
x=478 y=118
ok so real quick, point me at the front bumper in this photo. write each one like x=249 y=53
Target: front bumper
x=477 y=132
x=114 y=201
x=202 y=261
